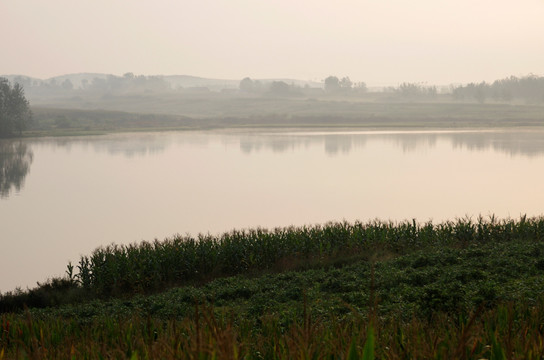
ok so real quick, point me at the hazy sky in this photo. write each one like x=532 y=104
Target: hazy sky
x=381 y=42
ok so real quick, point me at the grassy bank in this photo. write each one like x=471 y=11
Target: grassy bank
x=465 y=288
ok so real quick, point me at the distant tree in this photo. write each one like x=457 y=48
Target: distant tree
x=361 y=87
x=99 y=85
x=414 y=90
x=345 y=83
x=332 y=84
x=52 y=83
x=247 y=85
x=389 y=89
x=25 y=81
x=67 y=85
x=529 y=88
x=15 y=114
x=279 y=88
x=409 y=89
x=480 y=92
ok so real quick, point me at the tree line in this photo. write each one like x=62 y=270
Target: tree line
x=110 y=84
x=15 y=114
x=332 y=85
x=528 y=88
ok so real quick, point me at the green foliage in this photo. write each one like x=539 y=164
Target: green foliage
x=15 y=114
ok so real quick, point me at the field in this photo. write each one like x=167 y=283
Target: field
x=215 y=110
x=461 y=289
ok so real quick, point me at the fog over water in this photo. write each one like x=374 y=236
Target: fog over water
x=67 y=196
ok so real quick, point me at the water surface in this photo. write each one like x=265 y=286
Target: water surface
x=63 y=197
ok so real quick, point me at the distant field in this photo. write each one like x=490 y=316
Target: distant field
x=148 y=113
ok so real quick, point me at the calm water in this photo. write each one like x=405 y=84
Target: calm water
x=60 y=198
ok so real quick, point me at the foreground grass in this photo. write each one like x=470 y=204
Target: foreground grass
x=511 y=331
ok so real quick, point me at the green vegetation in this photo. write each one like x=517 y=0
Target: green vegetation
x=462 y=289
x=15 y=114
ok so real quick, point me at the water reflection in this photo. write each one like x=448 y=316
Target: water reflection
x=16 y=156
x=528 y=143
x=279 y=143
x=413 y=142
x=249 y=144
x=334 y=143
x=131 y=147
x=525 y=143
x=15 y=160
x=128 y=145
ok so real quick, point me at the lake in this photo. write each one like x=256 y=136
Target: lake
x=63 y=197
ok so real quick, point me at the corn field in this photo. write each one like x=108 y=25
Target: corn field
x=149 y=266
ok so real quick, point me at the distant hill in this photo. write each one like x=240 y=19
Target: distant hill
x=75 y=79
x=175 y=81
x=22 y=79
x=187 y=81
x=78 y=79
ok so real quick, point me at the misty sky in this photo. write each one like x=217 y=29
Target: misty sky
x=381 y=42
